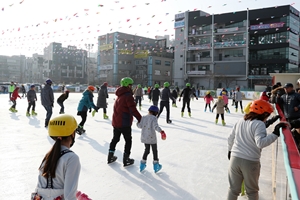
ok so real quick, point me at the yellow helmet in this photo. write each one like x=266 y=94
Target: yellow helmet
x=61 y=126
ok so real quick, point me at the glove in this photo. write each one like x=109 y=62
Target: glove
x=229 y=155
x=163 y=135
x=277 y=127
x=90 y=110
x=179 y=99
x=272 y=120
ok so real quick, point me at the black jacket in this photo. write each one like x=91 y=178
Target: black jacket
x=288 y=102
x=155 y=94
x=62 y=97
x=186 y=93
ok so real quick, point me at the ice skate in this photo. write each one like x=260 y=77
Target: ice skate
x=223 y=123
x=105 y=116
x=156 y=166
x=127 y=161
x=27 y=114
x=182 y=113
x=174 y=105
x=111 y=158
x=190 y=114
x=61 y=112
x=80 y=130
x=94 y=112
x=33 y=113
x=169 y=121
x=143 y=165
x=216 y=121
x=140 y=107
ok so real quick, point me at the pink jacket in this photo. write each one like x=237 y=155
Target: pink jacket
x=208 y=99
x=225 y=98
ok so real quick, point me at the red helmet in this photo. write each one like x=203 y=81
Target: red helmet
x=105 y=83
x=91 y=88
x=260 y=106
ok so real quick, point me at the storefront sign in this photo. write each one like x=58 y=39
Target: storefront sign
x=266 y=26
x=179 y=24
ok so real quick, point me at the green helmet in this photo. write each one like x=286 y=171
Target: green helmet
x=188 y=85
x=166 y=84
x=139 y=86
x=126 y=81
x=156 y=85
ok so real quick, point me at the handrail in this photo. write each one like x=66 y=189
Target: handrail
x=291 y=158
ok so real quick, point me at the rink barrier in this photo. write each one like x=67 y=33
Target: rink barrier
x=291 y=158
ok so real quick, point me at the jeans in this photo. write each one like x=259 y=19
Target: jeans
x=62 y=108
x=147 y=151
x=126 y=132
x=48 y=114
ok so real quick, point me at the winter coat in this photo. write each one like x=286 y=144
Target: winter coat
x=288 y=102
x=124 y=108
x=149 y=125
x=47 y=96
x=208 y=99
x=166 y=95
x=86 y=101
x=247 y=139
x=23 y=89
x=138 y=92
x=225 y=99
x=238 y=96
x=11 y=88
x=66 y=178
x=220 y=106
x=278 y=91
x=186 y=93
x=155 y=94
x=174 y=94
x=102 y=96
x=31 y=95
x=15 y=95
x=62 y=97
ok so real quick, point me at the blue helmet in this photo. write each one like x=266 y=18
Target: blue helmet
x=48 y=81
x=153 y=109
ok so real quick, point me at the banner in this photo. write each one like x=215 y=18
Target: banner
x=106 y=47
x=141 y=54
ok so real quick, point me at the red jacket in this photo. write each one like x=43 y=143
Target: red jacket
x=264 y=96
x=124 y=108
x=15 y=94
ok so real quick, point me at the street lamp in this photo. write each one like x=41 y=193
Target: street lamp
x=88 y=47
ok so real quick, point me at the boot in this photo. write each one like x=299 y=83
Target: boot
x=143 y=165
x=190 y=114
x=216 y=121
x=111 y=158
x=46 y=123
x=126 y=160
x=156 y=166
x=105 y=116
x=182 y=114
x=33 y=113
x=27 y=114
x=223 y=123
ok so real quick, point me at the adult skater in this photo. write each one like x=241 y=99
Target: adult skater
x=101 y=101
x=138 y=95
x=155 y=95
x=124 y=110
x=31 y=98
x=164 y=102
x=47 y=99
x=187 y=93
x=238 y=99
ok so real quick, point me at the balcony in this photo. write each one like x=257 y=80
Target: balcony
x=199 y=46
x=224 y=31
x=231 y=44
x=198 y=60
x=230 y=58
x=200 y=33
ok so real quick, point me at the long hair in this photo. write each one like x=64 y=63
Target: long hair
x=51 y=159
x=252 y=115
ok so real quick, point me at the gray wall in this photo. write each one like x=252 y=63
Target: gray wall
x=230 y=68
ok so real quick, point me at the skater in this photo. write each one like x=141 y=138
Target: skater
x=101 y=101
x=149 y=125
x=175 y=96
x=124 y=110
x=233 y=97
x=86 y=103
x=225 y=98
x=61 y=100
x=187 y=93
x=23 y=89
x=47 y=99
x=238 y=99
x=138 y=95
x=31 y=97
x=155 y=95
x=208 y=98
x=164 y=102
x=60 y=168
x=220 y=110
x=248 y=137
x=63 y=87
x=13 y=98
x=11 y=89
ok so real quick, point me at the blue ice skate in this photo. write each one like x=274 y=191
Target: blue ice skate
x=156 y=166
x=143 y=165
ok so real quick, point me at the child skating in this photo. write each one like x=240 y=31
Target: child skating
x=208 y=98
x=149 y=125
x=61 y=100
x=225 y=98
x=31 y=97
x=219 y=105
x=13 y=99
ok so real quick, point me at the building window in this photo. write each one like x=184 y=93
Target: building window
x=158 y=62
x=181 y=56
x=167 y=63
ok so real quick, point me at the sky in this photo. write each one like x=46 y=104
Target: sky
x=28 y=26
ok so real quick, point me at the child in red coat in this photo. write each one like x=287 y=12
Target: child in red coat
x=13 y=99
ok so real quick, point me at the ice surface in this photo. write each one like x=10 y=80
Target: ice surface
x=194 y=155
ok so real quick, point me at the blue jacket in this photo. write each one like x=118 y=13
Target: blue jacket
x=86 y=101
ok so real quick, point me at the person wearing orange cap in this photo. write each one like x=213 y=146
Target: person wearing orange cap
x=86 y=103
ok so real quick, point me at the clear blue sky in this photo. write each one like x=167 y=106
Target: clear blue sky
x=30 y=25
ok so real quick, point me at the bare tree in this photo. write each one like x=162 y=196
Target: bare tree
x=226 y=79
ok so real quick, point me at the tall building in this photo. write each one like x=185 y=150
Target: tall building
x=12 y=68
x=147 y=61
x=37 y=69
x=238 y=48
x=65 y=64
